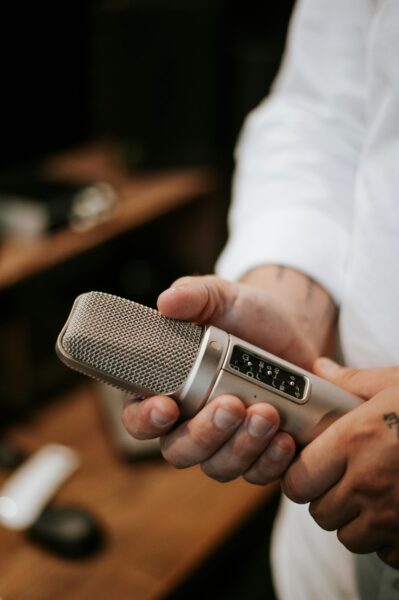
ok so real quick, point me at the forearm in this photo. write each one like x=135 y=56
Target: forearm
x=310 y=305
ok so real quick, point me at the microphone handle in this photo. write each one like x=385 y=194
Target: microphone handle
x=226 y=364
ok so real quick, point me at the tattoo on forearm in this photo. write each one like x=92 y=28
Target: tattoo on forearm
x=309 y=289
x=392 y=420
x=280 y=272
x=329 y=311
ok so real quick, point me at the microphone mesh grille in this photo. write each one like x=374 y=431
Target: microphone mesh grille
x=130 y=343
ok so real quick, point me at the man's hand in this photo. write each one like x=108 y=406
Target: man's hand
x=225 y=437
x=350 y=473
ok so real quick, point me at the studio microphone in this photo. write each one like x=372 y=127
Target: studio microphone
x=140 y=351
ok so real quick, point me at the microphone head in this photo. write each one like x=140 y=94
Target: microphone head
x=128 y=345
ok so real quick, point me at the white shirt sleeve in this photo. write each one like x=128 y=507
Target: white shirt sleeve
x=298 y=152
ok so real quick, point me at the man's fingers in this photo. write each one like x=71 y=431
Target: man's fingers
x=247 y=443
x=361 y=535
x=362 y=382
x=390 y=556
x=194 y=441
x=150 y=418
x=274 y=460
x=335 y=508
x=319 y=466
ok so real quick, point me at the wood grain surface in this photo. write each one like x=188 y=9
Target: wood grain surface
x=160 y=523
x=140 y=198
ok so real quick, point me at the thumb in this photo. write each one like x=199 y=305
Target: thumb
x=244 y=311
x=203 y=299
x=361 y=382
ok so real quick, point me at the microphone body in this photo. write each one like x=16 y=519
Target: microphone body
x=140 y=351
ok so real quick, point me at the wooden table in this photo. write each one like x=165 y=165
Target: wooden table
x=160 y=522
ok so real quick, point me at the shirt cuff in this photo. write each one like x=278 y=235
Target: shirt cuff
x=303 y=239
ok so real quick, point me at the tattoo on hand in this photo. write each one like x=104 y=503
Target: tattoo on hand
x=392 y=420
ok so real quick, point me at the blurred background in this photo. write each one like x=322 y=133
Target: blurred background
x=165 y=84
x=172 y=79
x=118 y=121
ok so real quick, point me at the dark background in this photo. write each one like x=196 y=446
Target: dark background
x=173 y=79
x=170 y=80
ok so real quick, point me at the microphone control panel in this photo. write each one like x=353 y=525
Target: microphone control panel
x=269 y=373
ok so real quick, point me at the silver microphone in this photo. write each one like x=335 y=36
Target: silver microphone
x=140 y=351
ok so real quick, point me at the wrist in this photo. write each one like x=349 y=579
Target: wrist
x=308 y=304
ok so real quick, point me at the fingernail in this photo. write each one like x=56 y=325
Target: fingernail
x=277 y=452
x=327 y=365
x=259 y=426
x=159 y=419
x=223 y=419
x=167 y=291
x=173 y=290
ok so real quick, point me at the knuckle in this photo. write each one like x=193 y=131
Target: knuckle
x=355 y=540
x=136 y=419
x=390 y=556
x=273 y=472
x=213 y=306
x=292 y=490
x=131 y=426
x=177 y=459
x=222 y=476
x=321 y=519
x=202 y=438
x=263 y=472
x=350 y=379
x=365 y=484
x=314 y=512
x=246 y=453
x=387 y=520
x=257 y=478
x=347 y=540
x=246 y=449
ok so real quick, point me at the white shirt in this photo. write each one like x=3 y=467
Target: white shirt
x=317 y=188
x=317 y=180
